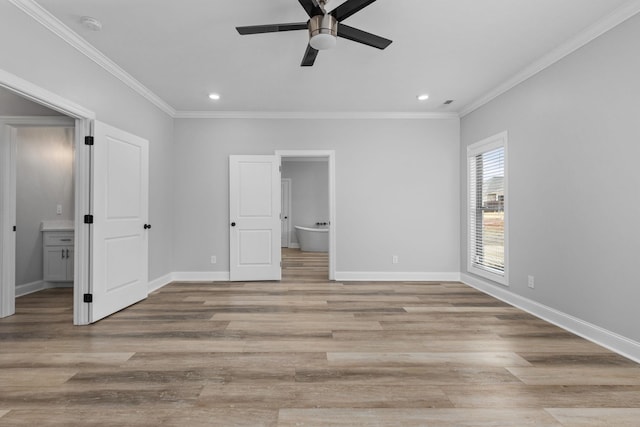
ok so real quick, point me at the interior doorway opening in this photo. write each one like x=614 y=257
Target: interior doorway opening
x=17 y=88
x=44 y=208
x=308 y=215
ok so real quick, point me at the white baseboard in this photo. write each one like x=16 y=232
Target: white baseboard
x=294 y=246
x=160 y=282
x=201 y=276
x=382 y=276
x=39 y=285
x=603 y=337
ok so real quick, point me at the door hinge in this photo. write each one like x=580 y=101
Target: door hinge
x=88 y=140
x=14 y=228
x=88 y=219
x=88 y=298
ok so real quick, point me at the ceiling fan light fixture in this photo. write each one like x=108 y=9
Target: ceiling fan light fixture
x=323 y=32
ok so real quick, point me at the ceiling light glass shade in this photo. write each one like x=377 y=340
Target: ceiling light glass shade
x=323 y=32
x=322 y=41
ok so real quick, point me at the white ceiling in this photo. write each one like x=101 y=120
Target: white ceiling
x=451 y=49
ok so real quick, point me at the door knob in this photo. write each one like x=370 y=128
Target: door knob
x=147 y=226
x=233 y=224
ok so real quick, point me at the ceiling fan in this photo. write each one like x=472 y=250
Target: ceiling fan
x=324 y=28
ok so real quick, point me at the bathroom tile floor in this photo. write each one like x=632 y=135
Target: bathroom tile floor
x=307 y=352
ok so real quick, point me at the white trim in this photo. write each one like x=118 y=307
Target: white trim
x=605 y=24
x=43 y=97
x=331 y=156
x=53 y=24
x=36 y=121
x=201 y=276
x=603 y=337
x=310 y=115
x=39 y=285
x=294 y=245
x=403 y=276
x=160 y=282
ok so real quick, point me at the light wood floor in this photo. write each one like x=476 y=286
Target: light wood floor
x=307 y=352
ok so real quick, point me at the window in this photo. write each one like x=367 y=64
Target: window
x=487 y=197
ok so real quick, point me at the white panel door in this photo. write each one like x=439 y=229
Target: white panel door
x=254 y=213
x=120 y=198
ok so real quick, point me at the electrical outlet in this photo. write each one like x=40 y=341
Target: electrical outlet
x=531 y=283
x=395 y=259
x=213 y=259
x=59 y=209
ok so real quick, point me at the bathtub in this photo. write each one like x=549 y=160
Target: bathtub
x=313 y=239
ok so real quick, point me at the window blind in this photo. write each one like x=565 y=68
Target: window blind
x=486 y=209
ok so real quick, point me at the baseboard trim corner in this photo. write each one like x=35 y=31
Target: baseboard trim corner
x=39 y=285
x=610 y=340
x=160 y=282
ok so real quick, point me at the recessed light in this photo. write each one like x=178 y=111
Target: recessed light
x=214 y=96
x=423 y=97
x=91 y=23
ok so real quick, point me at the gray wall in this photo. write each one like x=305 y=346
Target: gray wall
x=574 y=180
x=397 y=188
x=309 y=192
x=44 y=179
x=35 y=54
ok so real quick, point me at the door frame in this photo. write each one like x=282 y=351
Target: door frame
x=330 y=155
x=288 y=204
x=82 y=183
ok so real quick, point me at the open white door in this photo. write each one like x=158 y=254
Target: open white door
x=120 y=206
x=254 y=214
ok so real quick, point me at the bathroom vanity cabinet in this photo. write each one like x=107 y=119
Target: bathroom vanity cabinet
x=57 y=255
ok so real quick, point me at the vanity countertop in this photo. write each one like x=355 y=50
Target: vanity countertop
x=57 y=225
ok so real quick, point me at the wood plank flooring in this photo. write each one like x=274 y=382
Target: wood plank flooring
x=307 y=352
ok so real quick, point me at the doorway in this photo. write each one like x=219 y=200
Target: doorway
x=81 y=118
x=312 y=176
x=43 y=188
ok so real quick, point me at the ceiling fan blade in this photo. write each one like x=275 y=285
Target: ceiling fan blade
x=272 y=28
x=348 y=8
x=311 y=8
x=309 y=57
x=356 y=35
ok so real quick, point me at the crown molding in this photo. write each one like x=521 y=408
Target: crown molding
x=605 y=24
x=53 y=24
x=311 y=115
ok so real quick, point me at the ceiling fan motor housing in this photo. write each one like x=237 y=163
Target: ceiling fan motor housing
x=323 y=31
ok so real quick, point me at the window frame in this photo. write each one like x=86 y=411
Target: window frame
x=499 y=140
